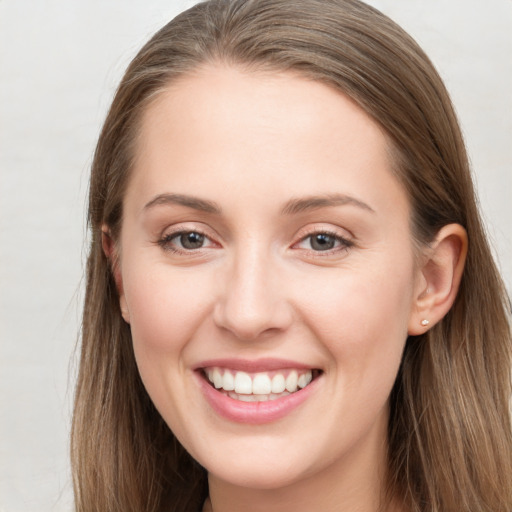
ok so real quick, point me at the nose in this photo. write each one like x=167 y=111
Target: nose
x=252 y=302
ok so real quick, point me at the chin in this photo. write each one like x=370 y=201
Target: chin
x=257 y=476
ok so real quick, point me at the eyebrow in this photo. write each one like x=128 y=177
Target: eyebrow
x=295 y=206
x=184 y=200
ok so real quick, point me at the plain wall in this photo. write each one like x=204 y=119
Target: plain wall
x=60 y=62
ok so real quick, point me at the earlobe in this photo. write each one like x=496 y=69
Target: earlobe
x=439 y=279
x=110 y=251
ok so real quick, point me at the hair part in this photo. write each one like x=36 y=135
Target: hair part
x=450 y=436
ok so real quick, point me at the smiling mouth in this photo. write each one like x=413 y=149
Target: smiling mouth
x=261 y=386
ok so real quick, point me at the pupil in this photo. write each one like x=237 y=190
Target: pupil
x=191 y=240
x=322 y=242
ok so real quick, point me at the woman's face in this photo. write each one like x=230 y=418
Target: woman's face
x=265 y=243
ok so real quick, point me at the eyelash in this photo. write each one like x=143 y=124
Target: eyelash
x=344 y=243
x=166 y=242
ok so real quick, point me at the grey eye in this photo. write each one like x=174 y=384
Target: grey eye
x=191 y=240
x=322 y=242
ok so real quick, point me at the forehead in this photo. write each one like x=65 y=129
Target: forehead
x=215 y=94
x=222 y=124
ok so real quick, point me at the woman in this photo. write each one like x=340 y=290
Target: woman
x=291 y=304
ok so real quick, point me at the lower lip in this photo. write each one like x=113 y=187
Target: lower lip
x=255 y=413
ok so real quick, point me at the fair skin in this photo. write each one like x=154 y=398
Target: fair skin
x=265 y=233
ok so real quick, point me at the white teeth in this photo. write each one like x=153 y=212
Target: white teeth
x=275 y=396
x=217 y=378
x=247 y=398
x=278 y=383
x=259 y=386
x=291 y=381
x=304 y=379
x=253 y=398
x=256 y=398
x=243 y=383
x=228 y=382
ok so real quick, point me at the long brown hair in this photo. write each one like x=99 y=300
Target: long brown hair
x=450 y=436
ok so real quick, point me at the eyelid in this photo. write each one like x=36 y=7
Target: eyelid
x=327 y=228
x=346 y=242
x=171 y=232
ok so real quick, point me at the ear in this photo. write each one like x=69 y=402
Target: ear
x=439 y=278
x=111 y=252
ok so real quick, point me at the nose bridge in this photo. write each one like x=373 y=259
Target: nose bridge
x=252 y=301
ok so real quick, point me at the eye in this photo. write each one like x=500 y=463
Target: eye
x=185 y=241
x=323 y=242
x=190 y=240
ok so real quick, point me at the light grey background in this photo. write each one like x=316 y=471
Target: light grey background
x=60 y=62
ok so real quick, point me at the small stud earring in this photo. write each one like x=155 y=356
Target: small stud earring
x=425 y=322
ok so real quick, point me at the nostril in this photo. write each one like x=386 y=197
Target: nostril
x=251 y=323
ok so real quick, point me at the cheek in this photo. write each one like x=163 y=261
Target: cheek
x=165 y=306
x=361 y=315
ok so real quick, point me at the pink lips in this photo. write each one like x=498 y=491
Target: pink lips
x=255 y=413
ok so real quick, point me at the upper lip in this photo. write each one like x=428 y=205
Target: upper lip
x=253 y=366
